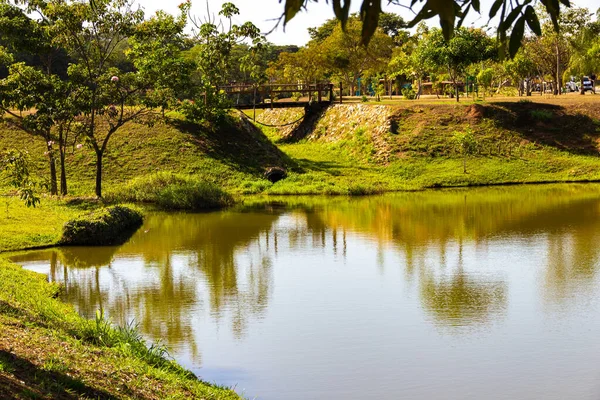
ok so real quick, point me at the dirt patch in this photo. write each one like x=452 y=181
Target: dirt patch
x=475 y=112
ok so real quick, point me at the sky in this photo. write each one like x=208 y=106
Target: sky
x=262 y=13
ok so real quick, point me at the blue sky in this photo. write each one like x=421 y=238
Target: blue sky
x=261 y=13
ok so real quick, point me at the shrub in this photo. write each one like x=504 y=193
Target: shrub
x=409 y=94
x=104 y=227
x=174 y=192
x=364 y=99
x=541 y=115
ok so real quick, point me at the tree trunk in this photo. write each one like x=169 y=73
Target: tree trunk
x=53 y=185
x=99 y=155
x=457 y=91
x=63 y=173
x=557 y=85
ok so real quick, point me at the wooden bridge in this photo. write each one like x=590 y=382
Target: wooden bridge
x=248 y=97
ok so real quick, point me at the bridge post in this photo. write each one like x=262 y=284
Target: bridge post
x=319 y=87
x=330 y=93
x=341 y=92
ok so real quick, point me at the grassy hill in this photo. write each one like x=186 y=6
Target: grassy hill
x=355 y=148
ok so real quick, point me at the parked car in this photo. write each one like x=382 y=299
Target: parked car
x=588 y=85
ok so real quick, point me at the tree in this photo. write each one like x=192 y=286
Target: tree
x=109 y=98
x=214 y=50
x=466 y=144
x=14 y=165
x=306 y=66
x=552 y=50
x=37 y=88
x=485 y=78
x=347 y=59
x=466 y=47
x=521 y=70
x=585 y=55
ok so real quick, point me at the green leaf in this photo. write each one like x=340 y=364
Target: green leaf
x=369 y=14
x=291 y=9
x=507 y=23
x=341 y=12
x=495 y=7
x=532 y=20
x=446 y=9
x=516 y=36
x=476 y=6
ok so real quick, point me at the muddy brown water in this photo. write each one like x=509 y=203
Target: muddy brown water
x=458 y=294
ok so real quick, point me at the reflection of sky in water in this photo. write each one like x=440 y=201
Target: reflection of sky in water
x=481 y=294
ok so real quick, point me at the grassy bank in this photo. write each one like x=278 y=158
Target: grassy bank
x=361 y=149
x=48 y=351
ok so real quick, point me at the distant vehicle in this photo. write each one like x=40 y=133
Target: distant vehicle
x=588 y=85
x=572 y=87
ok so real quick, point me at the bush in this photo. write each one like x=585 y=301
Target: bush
x=171 y=191
x=409 y=94
x=104 y=227
x=541 y=115
x=364 y=99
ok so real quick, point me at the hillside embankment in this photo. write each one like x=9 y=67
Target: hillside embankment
x=370 y=148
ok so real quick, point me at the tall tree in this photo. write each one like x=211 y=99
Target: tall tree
x=110 y=97
x=347 y=58
x=466 y=47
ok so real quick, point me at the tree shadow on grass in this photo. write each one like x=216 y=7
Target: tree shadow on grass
x=237 y=143
x=548 y=124
x=31 y=380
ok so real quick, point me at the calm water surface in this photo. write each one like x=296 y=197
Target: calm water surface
x=462 y=294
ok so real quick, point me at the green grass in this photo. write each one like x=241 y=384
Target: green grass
x=22 y=227
x=171 y=191
x=108 y=226
x=47 y=350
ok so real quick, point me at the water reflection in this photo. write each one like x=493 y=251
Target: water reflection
x=460 y=260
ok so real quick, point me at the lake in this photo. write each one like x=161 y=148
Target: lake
x=490 y=293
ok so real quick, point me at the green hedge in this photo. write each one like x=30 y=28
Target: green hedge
x=104 y=227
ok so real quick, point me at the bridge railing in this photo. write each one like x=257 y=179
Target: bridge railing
x=277 y=95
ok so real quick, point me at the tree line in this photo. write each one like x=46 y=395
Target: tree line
x=396 y=57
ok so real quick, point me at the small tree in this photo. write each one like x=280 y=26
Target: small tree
x=14 y=165
x=466 y=145
x=485 y=78
x=466 y=47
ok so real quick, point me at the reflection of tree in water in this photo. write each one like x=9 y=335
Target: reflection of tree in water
x=217 y=242
x=230 y=252
x=459 y=300
x=573 y=257
x=416 y=223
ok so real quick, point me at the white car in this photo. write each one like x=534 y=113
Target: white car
x=572 y=87
x=588 y=85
